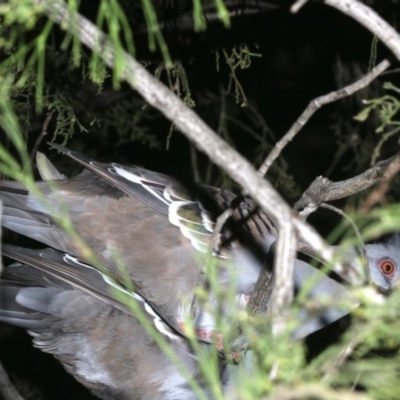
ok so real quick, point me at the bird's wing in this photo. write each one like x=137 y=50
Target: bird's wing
x=107 y=174
x=64 y=271
x=134 y=214
x=187 y=210
x=19 y=217
x=193 y=208
x=75 y=313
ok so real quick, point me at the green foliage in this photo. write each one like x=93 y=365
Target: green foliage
x=9 y=123
x=20 y=12
x=368 y=355
x=358 y=144
x=387 y=107
x=198 y=17
x=29 y=56
x=239 y=58
x=223 y=13
x=28 y=87
x=155 y=34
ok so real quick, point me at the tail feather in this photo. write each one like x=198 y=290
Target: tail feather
x=20 y=217
x=25 y=321
x=14 y=195
x=34 y=225
x=24 y=306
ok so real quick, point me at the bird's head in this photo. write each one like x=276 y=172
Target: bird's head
x=384 y=262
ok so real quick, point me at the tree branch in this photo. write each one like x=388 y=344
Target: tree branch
x=314 y=106
x=378 y=194
x=40 y=138
x=283 y=289
x=160 y=97
x=324 y=190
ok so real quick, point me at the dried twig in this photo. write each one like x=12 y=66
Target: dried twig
x=324 y=190
x=40 y=138
x=366 y=271
x=314 y=106
x=378 y=194
x=351 y=222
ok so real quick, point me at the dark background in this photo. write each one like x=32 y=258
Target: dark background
x=302 y=56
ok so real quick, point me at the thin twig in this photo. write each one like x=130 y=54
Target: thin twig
x=314 y=106
x=349 y=220
x=366 y=270
x=392 y=71
x=40 y=138
x=378 y=194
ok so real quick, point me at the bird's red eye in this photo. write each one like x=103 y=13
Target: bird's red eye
x=388 y=267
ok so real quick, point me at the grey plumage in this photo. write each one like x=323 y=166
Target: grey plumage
x=79 y=329
x=157 y=227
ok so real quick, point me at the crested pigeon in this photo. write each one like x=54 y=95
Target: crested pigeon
x=155 y=227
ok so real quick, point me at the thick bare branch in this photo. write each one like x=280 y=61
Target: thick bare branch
x=283 y=290
x=324 y=190
x=314 y=106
